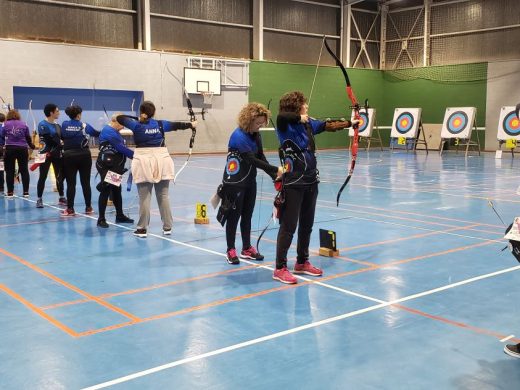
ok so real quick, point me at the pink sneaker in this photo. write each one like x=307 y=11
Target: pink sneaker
x=251 y=253
x=308 y=269
x=231 y=256
x=284 y=276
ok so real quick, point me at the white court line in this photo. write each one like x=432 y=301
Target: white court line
x=290 y=331
x=507 y=338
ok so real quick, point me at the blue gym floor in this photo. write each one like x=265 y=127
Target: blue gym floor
x=421 y=296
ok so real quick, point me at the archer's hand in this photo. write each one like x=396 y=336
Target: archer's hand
x=355 y=122
x=304 y=118
x=279 y=173
x=194 y=124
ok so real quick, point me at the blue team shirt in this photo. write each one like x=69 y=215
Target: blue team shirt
x=48 y=136
x=74 y=134
x=242 y=142
x=148 y=134
x=116 y=140
x=297 y=132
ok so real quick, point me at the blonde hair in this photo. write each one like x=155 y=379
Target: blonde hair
x=250 y=112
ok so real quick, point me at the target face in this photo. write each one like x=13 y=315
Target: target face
x=366 y=122
x=458 y=122
x=233 y=166
x=288 y=164
x=406 y=122
x=511 y=124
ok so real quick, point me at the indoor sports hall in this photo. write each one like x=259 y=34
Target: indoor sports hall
x=415 y=107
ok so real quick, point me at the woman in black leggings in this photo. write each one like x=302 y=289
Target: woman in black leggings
x=17 y=140
x=245 y=155
x=77 y=158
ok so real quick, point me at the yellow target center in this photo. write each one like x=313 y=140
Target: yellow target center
x=515 y=123
x=404 y=123
x=457 y=122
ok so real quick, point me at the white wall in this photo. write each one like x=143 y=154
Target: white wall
x=503 y=89
x=36 y=64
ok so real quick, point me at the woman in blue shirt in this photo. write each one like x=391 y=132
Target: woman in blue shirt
x=296 y=131
x=245 y=155
x=152 y=165
x=77 y=158
x=112 y=157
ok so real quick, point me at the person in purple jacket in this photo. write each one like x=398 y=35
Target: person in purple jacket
x=17 y=140
x=2 y=142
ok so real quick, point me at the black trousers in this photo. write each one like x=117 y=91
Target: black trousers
x=299 y=209
x=13 y=154
x=244 y=206
x=107 y=190
x=57 y=164
x=74 y=161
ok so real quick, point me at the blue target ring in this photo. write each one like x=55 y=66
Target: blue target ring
x=232 y=166
x=404 y=122
x=511 y=124
x=457 y=122
x=363 y=121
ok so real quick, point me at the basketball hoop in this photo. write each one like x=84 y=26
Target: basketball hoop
x=207 y=96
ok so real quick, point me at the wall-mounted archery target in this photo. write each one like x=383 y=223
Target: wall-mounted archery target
x=366 y=122
x=406 y=122
x=458 y=122
x=508 y=124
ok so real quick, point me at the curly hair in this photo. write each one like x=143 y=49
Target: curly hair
x=250 y=112
x=292 y=102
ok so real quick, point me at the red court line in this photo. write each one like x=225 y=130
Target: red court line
x=32 y=222
x=196 y=308
x=156 y=286
x=69 y=286
x=284 y=287
x=38 y=311
x=409 y=260
x=458 y=324
x=421 y=235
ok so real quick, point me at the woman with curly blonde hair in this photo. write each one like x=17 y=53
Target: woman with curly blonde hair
x=238 y=190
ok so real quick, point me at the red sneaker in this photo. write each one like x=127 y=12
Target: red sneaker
x=251 y=253
x=89 y=210
x=68 y=213
x=62 y=201
x=308 y=269
x=284 y=276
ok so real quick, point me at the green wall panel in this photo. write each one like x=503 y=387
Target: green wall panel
x=432 y=88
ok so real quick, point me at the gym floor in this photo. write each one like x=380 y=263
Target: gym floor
x=420 y=297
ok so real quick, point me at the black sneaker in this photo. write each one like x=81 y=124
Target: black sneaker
x=102 y=223
x=25 y=194
x=512 y=350
x=140 y=233
x=39 y=203
x=123 y=219
x=232 y=257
